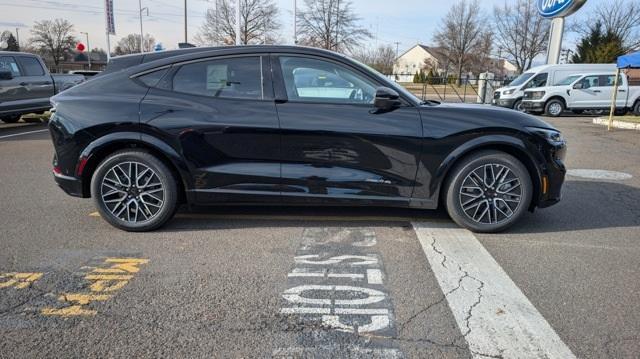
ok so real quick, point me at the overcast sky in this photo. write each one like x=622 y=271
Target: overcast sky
x=406 y=21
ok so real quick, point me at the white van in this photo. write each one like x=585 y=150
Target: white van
x=541 y=76
x=592 y=91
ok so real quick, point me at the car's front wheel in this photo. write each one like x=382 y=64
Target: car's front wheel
x=554 y=108
x=134 y=191
x=488 y=191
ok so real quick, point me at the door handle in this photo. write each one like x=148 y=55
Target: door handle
x=47 y=83
x=622 y=90
x=23 y=84
x=597 y=91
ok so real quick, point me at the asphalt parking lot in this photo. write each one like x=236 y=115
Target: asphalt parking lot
x=322 y=282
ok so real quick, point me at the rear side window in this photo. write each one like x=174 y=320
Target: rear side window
x=609 y=80
x=31 y=66
x=151 y=79
x=238 y=77
x=8 y=63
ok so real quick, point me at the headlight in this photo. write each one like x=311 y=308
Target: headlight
x=552 y=136
x=508 y=92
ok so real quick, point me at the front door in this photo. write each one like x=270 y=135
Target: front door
x=220 y=115
x=10 y=90
x=589 y=96
x=335 y=148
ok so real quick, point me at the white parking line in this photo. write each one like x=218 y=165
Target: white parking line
x=23 y=133
x=493 y=314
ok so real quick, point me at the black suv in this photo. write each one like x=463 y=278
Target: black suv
x=291 y=125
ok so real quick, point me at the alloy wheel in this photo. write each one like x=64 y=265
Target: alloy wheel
x=132 y=192
x=555 y=109
x=490 y=194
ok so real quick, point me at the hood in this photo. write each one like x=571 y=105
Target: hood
x=482 y=116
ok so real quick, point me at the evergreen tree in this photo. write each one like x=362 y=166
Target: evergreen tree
x=598 y=47
x=12 y=43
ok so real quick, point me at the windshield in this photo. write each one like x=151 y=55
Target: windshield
x=521 y=79
x=568 y=81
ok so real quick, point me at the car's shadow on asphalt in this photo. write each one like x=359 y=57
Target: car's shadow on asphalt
x=586 y=205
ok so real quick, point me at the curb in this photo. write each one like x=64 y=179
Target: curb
x=617 y=124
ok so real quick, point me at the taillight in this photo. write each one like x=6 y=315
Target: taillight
x=81 y=164
x=57 y=170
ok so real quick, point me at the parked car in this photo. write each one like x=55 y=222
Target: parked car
x=26 y=85
x=580 y=93
x=548 y=75
x=238 y=125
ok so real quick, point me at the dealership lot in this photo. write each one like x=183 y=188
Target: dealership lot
x=322 y=282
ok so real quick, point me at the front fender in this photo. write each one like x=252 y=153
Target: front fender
x=516 y=146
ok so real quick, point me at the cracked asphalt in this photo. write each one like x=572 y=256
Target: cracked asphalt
x=214 y=281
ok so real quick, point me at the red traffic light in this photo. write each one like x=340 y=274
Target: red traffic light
x=80 y=47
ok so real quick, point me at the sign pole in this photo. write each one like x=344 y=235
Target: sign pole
x=555 y=41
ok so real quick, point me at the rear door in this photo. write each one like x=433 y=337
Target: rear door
x=220 y=115
x=335 y=147
x=36 y=80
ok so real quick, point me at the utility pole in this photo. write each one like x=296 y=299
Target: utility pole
x=88 y=49
x=18 y=36
x=295 y=22
x=185 y=22
x=237 y=22
x=141 y=31
x=397 y=49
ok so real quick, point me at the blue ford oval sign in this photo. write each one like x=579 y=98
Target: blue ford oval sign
x=559 y=8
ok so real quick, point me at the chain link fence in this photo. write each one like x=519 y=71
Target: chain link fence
x=447 y=89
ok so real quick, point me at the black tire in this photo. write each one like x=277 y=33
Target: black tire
x=168 y=197
x=518 y=106
x=11 y=119
x=636 y=108
x=554 y=108
x=460 y=177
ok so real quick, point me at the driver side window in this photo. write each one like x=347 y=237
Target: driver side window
x=308 y=79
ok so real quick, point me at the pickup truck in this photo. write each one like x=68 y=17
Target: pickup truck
x=582 y=92
x=26 y=85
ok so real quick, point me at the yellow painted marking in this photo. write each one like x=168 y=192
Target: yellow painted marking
x=83 y=299
x=107 y=277
x=19 y=280
x=104 y=281
x=107 y=285
x=74 y=310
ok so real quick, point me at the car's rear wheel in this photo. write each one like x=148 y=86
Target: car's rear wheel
x=134 y=191
x=488 y=191
x=554 y=108
x=11 y=119
x=636 y=108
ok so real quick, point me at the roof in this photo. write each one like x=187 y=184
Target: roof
x=631 y=61
x=436 y=52
x=4 y=53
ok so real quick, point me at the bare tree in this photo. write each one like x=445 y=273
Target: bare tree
x=130 y=44
x=619 y=17
x=258 y=23
x=461 y=34
x=52 y=38
x=520 y=32
x=381 y=59
x=330 y=24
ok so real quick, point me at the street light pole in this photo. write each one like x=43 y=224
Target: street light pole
x=88 y=49
x=185 y=22
x=295 y=22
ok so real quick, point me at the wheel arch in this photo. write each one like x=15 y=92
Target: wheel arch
x=101 y=148
x=503 y=143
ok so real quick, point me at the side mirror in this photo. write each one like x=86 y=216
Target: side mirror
x=578 y=86
x=386 y=99
x=6 y=75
